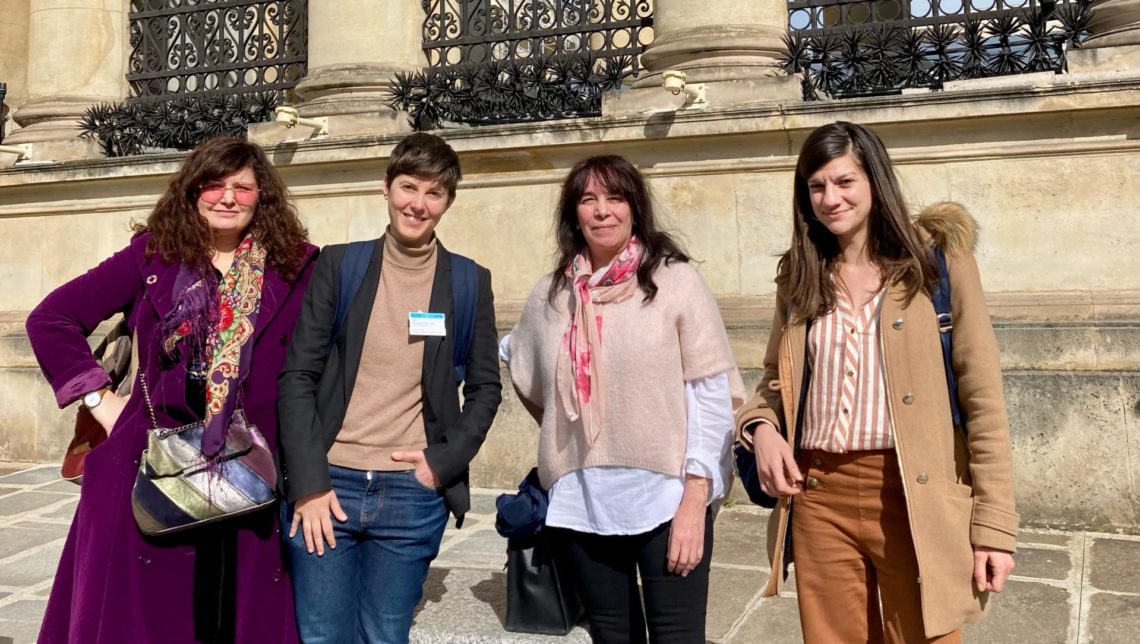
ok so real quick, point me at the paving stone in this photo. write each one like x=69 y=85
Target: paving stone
x=60 y=487
x=19 y=632
x=730 y=592
x=483 y=503
x=10 y=469
x=1114 y=619
x=470 y=522
x=776 y=620
x=470 y=606
x=1115 y=565
x=32 y=569
x=5 y=490
x=33 y=476
x=1042 y=564
x=25 y=610
x=1030 y=537
x=64 y=512
x=739 y=538
x=22 y=537
x=26 y=501
x=483 y=548
x=1025 y=612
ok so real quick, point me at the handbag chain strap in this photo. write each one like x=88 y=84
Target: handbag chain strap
x=146 y=398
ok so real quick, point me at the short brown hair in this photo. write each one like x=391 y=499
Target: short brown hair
x=179 y=233
x=425 y=156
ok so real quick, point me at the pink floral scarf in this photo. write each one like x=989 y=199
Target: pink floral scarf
x=578 y=377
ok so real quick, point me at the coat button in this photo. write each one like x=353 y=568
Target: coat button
x=908 y=399
x=816 y=462
x=897 y=324
x=284 y=340
x=813 y=483
x=151 y=279
x=922 y=478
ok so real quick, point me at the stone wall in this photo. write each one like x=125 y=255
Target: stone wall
x=1045 y=163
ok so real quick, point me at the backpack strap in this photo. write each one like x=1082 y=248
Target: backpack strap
x=941 y=299
x=357 y=256
x=464 y=297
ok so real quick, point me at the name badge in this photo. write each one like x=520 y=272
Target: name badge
x=420 y=323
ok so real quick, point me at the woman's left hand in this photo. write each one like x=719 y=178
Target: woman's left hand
x=423 y=471
x=687 y=533
x=991 y=568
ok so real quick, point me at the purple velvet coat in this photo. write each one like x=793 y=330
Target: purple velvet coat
x=113 y=584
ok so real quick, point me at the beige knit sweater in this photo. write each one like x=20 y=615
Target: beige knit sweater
x=385 y=411
x=649 y=350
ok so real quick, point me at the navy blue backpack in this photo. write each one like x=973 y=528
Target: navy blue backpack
x=464 y=294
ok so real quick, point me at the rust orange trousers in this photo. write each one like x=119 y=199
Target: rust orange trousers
x=856 y=573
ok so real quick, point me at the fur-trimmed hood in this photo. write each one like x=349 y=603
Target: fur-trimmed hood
x=948 y=226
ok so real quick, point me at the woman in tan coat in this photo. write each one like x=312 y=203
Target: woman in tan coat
x=903 y=523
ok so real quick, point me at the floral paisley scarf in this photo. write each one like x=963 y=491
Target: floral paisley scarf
x=213 y=322
x=578 y=378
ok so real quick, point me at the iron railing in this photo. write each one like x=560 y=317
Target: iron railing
x=201 y=47
x=458 y=32
x=848 y=48
x=508 y=61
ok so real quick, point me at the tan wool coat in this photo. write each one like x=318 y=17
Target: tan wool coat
x=959 y=492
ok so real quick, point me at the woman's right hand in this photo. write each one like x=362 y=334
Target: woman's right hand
x=779 y=474
x=313 y=515
x=107 y=412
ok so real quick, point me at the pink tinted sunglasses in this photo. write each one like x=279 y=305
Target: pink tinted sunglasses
x=212 y=193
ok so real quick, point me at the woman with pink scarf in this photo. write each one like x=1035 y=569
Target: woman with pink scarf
x=621 y=357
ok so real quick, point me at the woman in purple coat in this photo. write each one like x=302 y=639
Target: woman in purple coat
x=211 y=286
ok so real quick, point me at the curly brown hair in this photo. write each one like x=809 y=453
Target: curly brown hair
x=180 y=233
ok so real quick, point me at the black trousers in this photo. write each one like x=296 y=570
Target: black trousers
x=604 y=570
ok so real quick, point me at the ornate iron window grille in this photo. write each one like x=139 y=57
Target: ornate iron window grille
x=199 y=68
x=509 y=61
x=848 y=48
x=200 y=47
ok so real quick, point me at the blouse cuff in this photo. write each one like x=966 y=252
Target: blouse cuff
x=505 y=349
x=85 y=382
x=710 y=427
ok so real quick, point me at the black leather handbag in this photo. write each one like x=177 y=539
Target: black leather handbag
x=540 y=600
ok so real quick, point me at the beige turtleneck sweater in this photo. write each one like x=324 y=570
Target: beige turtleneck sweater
x=385 y=411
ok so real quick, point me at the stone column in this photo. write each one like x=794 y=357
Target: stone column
x=75 y=58
x=14 y=54
x=355 y=49
x=732 y=47
x=1114 y=23
x=1113 y=44
x=716 y=40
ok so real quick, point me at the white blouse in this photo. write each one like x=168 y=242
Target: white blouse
x=583 y=500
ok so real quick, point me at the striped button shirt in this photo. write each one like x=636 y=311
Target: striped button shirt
x=847 y=399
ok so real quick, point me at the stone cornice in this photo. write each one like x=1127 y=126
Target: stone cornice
x=987 y=102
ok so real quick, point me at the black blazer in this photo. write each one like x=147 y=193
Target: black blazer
x=315 y=386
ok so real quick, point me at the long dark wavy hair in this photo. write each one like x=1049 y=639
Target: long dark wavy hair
x=618 y=176
x=806 y=270
x=180 y=233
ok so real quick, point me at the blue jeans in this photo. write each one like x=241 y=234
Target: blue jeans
x=367 y=588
